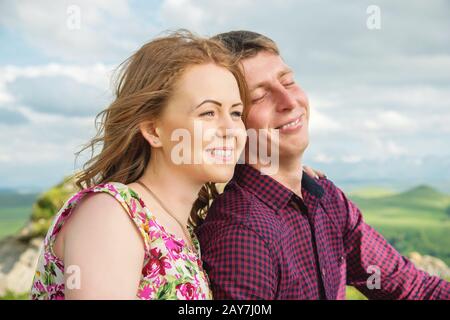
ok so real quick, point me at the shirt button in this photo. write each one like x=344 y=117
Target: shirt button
x=323 y=272
x=341 y=259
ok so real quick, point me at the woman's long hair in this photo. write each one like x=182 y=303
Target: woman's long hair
x=144 y=84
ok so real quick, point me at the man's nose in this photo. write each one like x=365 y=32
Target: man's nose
x=285 y=100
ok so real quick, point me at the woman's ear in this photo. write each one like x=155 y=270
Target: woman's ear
x=150 y=133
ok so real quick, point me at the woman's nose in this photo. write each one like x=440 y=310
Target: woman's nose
x=226 y=126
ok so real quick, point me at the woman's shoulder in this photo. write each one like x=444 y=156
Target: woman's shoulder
x=108 y=194
x=105 y=202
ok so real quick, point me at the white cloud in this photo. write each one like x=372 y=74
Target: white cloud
x=96 y=75
x=62 y=89
x=353 y=158
x=108 y=28
x=44 y=145
x=390 y=120
x=375 y=96
x=323 y=158
x=320 y=123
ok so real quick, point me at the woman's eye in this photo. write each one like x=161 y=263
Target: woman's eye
x=208 y=113
x=236 y=114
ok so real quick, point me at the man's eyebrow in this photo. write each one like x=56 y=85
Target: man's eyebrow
x=284 y=72
x=216 y=102
x=280 y=74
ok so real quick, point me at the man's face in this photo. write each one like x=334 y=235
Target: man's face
x=277 y=102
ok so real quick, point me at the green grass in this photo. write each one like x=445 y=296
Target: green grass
x=15 y=211
x=12 y=219
x=13 y=296
x=372 y=192
x=415 y=220
x=353 y=294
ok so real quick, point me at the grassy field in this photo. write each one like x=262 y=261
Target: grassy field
x=415 y=220
x=15 y=210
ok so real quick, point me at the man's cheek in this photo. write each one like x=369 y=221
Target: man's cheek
x=253 y=120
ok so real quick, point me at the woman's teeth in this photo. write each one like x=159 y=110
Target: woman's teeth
x=221 y=153
x=291 y=124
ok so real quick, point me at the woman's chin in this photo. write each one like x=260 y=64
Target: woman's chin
x=220 y=173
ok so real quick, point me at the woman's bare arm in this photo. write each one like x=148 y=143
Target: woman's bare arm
x=104 y=246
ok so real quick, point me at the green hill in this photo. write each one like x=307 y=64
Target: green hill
x=415 y=220
x=32 y=214
x=371 y=192
x=15 y=210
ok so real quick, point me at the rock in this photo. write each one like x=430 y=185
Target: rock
x=432 y=265
x=18 y=261
x=19 y=253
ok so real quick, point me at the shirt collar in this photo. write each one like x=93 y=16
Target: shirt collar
x=270 y=191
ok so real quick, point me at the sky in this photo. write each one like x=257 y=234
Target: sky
x=378 y=79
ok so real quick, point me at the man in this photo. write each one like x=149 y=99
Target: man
x=290 y=236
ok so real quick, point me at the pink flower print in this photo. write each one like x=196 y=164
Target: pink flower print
x=156 y=265
x=133 y=205
x=110 y=187
x=56 y=291
x=173 y=247
x=142 y=215
x=186 y=291
x=39 y=286
x=146 y=292
x=76 y=197
x=57 y=228
x=65 y=212
x=141 y=203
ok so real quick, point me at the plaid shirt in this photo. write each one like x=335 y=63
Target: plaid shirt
x=261 y=241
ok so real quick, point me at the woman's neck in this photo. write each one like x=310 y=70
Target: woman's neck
x=174 y=188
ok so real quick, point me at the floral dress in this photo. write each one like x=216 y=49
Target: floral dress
x=171 y=270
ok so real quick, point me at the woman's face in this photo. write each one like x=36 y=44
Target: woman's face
x=201 y=130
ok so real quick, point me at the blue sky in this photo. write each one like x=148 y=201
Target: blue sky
x=380 y=98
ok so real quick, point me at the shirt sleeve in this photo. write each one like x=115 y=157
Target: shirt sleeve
x=376 y=269
x=239 y=265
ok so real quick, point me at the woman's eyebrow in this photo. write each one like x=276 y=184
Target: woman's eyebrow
x=209 y=101
x=216 y=102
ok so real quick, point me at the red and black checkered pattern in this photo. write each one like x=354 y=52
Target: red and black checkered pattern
x=261 y=241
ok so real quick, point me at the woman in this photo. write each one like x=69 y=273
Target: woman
x=125 y=235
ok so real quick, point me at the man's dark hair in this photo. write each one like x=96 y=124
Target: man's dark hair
x=246 y=44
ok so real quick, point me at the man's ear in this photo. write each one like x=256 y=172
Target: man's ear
x=150 y=132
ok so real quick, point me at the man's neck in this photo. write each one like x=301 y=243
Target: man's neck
x=289 y=174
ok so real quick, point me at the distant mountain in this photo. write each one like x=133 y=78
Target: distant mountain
x=413 y=220
x=423 y=191
x=12 y=198
x=421 y=197
x=371 y=192
x=7 y=190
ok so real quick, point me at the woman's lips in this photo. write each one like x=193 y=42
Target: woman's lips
x=221 y=154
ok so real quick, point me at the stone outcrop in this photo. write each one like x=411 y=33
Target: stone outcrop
x=18 y=259
x=432 y=265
